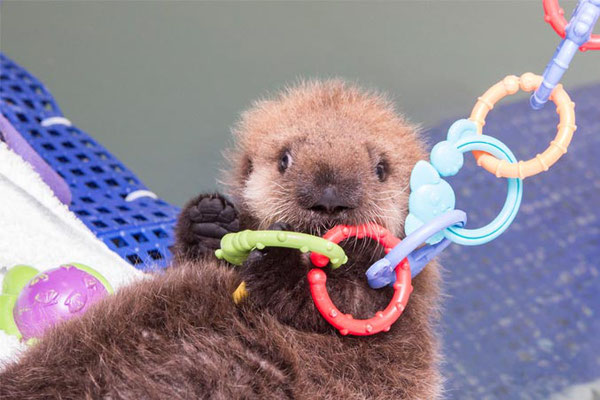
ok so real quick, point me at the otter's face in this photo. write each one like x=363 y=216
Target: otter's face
x=323 y=155
x=316 y=181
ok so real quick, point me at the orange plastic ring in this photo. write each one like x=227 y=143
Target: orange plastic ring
x=542 y=162
x=555 y=16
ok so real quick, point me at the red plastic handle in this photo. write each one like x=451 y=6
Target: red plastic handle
x=555 y=16
x=345 y=323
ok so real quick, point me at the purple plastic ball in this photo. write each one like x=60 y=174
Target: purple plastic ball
x=53 y=296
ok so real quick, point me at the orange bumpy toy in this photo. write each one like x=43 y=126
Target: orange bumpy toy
x=541 y=162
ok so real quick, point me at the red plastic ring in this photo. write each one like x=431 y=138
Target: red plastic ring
x=555 y=16
x=345 y=323
x=342 y=232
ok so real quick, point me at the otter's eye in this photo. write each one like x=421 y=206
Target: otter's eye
x=381 y=171
x=285 y=161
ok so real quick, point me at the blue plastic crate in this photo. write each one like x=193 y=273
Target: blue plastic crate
x=139 y=230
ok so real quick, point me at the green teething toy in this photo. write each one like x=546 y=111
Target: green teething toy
x=14 y=281
x=235 y=247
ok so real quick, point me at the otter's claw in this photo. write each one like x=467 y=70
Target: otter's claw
x=280 y=226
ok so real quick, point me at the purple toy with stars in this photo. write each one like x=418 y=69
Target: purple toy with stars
x=53 y=296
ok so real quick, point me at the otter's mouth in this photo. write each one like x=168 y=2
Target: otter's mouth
x=315 y=223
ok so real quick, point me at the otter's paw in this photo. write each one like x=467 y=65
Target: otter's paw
x=202 y=223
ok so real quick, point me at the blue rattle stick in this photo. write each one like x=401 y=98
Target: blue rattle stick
x=577 y=33
x=381 y=273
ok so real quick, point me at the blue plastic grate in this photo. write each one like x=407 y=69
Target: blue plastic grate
x=140 y=231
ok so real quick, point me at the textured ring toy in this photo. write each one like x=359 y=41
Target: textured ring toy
x=342 y=232
x=554 y=15
x=432 y=196
x=511 y=206
x=541 y=162
x=235 y=247
x=381 y=273
x=383 y=320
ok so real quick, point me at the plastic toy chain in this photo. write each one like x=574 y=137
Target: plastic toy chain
x=432 y=218
x=576 y=34
x=432 y=198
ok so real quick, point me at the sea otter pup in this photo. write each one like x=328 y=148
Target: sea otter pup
x=316 y=155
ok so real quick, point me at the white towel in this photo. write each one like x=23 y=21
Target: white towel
x=37 y=229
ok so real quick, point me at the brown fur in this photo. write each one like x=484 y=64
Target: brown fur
x=324 y=125
x=180 y=335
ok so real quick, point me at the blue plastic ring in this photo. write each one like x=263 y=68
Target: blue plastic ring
x=381 y=273
x=472 y=237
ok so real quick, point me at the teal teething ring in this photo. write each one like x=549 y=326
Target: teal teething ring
x=472 y=237
x=432 y=196
x=235 y=247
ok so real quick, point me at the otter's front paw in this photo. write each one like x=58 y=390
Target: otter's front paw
x=202 y=223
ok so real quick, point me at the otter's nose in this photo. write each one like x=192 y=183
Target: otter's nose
x=330 y=202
